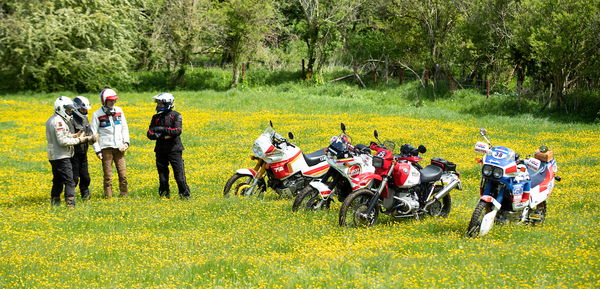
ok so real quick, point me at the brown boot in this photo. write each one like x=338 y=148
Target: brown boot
x=71 y=202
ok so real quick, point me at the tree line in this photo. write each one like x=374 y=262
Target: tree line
x=548 y=47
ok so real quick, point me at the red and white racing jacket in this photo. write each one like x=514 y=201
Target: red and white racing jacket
x=112 y=129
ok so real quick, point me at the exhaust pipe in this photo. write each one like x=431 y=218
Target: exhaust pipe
x=443 y=192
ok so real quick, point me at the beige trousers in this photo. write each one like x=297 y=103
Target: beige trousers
x=108 y=156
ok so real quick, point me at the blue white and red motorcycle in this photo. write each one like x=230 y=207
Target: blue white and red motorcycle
x=349 y=170
x=285 y=167
x=512 y=188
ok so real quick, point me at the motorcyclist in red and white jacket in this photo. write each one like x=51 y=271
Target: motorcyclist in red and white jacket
x=110 y=124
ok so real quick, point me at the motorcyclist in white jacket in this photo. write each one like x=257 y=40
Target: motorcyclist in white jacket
x=61 y=139
x=110 y=124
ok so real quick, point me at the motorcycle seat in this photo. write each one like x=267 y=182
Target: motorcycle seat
x=431 y=173
x=314 y=158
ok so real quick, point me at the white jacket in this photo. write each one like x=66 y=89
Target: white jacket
x=60 y=138
x=112 y=129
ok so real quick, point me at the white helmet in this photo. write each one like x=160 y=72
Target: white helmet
x=81 y=102
x=165 y=98
x=61 y=105
x=106 y=94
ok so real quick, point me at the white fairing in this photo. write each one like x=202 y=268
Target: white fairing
x=537 y=197
x=482 y=147
x=533 y=163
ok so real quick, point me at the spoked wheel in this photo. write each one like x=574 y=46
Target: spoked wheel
x=481 y=209
x=353 y=212
x=309 y=199
x=239 y=184
x=537 y=216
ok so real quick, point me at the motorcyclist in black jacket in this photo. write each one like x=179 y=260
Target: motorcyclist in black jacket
x=165 y=128
x=79 y=162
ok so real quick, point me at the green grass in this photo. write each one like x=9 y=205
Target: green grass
x=210 y=241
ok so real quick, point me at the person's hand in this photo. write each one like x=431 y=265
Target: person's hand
x=93 y=139
x=123 y=147
x=99 y=155
x=83 y=139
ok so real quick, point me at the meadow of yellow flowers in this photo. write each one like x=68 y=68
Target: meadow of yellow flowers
x=210 y=241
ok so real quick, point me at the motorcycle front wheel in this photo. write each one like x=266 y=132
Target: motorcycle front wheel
x=308 y=199
x=481 y=209
x=238 y=185
x=353 y=212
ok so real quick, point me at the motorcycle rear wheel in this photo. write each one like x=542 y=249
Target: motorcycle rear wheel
x=352 y=212
x=445 y=203
x=481 y=209
x=539 y=210
x=235 y=183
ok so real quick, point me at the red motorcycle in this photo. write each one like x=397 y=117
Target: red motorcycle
x=401 y=187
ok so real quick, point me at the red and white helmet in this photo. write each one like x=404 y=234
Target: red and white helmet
x=107 y=94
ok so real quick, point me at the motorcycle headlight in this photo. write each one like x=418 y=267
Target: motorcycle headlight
x=487 y=170
x=257 y=151
x=498 y=172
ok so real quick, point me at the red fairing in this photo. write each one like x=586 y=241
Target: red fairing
x=386 y=155
x=414 y=159
x=270 y=149
x=281 y=169
x=401 y=173
x=363 y=180
x=512 y=169
x=549 y=176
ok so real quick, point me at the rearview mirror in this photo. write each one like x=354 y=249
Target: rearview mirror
x=271 y=123
x=290 y=135
x=376 y=134
x=482 y=132
x=422 y=149
x=343 y=127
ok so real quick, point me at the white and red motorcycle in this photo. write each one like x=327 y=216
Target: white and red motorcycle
x=349 y=169
x=285 y=167
x=401 y=187
x=512 y=188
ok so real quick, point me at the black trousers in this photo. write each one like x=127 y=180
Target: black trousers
x=162 y=165
x=81 y=175
x=62 y=173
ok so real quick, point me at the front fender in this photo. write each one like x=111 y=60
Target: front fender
x=247 y=172
x=490 y=199
x=323 y=189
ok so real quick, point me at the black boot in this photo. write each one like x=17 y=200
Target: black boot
x=165 y=194
x=55 y=201
x=85 y=195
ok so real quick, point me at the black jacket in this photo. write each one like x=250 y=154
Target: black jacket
x=165 y=128
x=81 y=124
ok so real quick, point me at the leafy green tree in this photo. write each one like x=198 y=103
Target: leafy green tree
x=563 y=36
x=323 y=22
x=182 y=28
x=68 y=44
x=248 y=24
x=437 y=19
